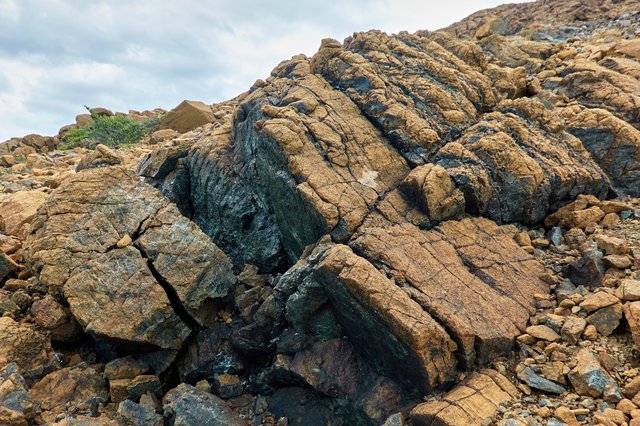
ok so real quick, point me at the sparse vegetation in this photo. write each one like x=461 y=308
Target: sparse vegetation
x=112 y=131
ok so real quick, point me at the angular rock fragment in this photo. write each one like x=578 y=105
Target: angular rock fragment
x=170 y=275
x=588 y=377
x=16 y=407
x=187 y=405
x=187 y=116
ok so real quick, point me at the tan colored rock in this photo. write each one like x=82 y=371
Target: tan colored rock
x=612 y=245
x=632 y=315
x=523 y=239
x=101 y=156
x=572 y=329
x=565 y=415
x=619 y=261
x=187 y=116
x=469 y=403
x=632 y=388
x=456 y=252
x=595 y=301
x=542 y=332
x=590 y=333
x=20 y=208
x=628 y=290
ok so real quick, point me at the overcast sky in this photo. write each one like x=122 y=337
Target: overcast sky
x=58 y=55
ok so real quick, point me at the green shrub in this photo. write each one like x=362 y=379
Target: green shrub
x=112 y=131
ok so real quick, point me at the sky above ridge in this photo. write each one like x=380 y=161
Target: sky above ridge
x=59 y=55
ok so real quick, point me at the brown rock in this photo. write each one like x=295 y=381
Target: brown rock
x=609 y=220
x=572 y=329
x=590 y=333
x=187 y=116
x=626 y=406
x=565 y=415
x=72 y=385
x=632 y=315
x=227 y=386
x=542 y=332
x=606 y=319
x=74 y=247
x=619 y=261
x=628 y=290
x=101 y=156
x=27 y=347
x=588 y=377
x=431 y=189
x=598 y=300
x=523 y=239
x=632 y=388
x=125 y=368
x=19 y=209
x=612 y=245
x=471 y=402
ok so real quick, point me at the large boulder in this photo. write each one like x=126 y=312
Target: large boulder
x=105 y=236
x=187 y=116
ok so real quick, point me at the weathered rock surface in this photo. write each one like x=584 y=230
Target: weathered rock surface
x=29 y=348
x=471 y=402
x=188 y=405
x=74 y=247
x=16 y=407
x=18 y=209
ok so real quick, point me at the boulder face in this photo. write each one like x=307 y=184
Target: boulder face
x=105 y=236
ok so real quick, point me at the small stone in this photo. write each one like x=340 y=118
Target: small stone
x=572 y=329
x=590 y=333
x=540 y=243
x=124 y=241
x=611 y=206
x=125 y=368
x=227 y=386
x=542 y=332
x=598 y=300
x=607 y=319
x=554 y=236
x=528 y=376
x=139 y=415
x=629 y=290
x=620 y=261
x=565 y=415
x=143 y=384
x=633 y=387
x=612 y=245
x=615 y=416
x=626 y=406
x=203 y=385
x=609 y=220
x=588 y=377
x=522 y=239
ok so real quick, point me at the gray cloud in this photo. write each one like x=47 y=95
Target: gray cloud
x=58 y=55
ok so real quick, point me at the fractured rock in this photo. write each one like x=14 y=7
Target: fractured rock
x=170 y=274
x=187 y=116
x=27 y=347
x=588 y=377
x=471 y=402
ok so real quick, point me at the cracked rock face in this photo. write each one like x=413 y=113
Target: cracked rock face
x=131 y=267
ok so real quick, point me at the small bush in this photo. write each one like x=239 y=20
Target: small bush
x=112 y=131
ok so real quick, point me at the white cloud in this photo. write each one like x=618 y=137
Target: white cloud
x=58 y=55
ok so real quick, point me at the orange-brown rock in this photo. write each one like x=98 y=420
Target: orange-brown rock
x=18 y=210
x=473 y=402
x=29 y=348
x=187 y=116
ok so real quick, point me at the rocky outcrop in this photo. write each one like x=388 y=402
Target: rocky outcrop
x=104 y=235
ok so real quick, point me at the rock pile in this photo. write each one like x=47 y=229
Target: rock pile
x=428 y=228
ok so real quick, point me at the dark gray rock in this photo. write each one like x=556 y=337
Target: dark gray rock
x=139 y=415
x=187 y=405
x=528 y=376
x=588 y=270
x=606 y=319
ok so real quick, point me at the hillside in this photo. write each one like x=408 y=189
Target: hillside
x=439 y=228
